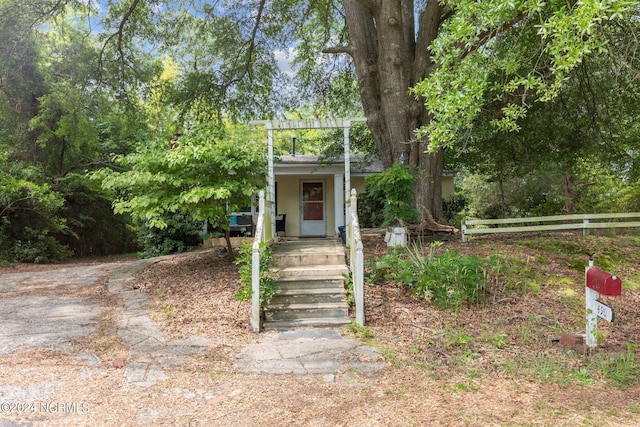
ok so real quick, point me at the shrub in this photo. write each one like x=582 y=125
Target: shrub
x=181 y=233
x=370 y=210
x=454 y=208
x=395 y=185
x=447 y=280
x=30 y=213
x=268 y=284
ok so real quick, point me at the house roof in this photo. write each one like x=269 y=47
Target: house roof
x=359 y=164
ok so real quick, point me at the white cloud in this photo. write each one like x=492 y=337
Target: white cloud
x=284 y=57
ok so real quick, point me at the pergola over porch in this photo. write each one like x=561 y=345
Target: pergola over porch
x=342 y=187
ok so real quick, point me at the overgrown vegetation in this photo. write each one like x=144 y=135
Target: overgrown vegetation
x=447 y=279
x=268 y=284
x=182 y=232
x=393 y=189
x=525 y=293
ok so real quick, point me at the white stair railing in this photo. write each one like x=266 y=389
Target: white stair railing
x=264 y=233
x=356 y=257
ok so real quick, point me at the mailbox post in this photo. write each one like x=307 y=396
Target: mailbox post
x=598 y=282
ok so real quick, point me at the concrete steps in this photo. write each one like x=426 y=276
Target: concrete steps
x=311 y=281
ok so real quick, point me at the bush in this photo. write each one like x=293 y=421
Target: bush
x=34 y=246
x=268 y=284
x=181 y=233
x=96 y=230
x=30 y=213
x=395 y=186
x=447 y=280
x=454 y=208
x=370 y=211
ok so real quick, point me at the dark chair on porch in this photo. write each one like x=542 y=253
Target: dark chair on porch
x=241 y=225
x=281 y=223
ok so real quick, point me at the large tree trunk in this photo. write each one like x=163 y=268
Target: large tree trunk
x=391 y=55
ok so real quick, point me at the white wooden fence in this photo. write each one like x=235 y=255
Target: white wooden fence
x=584 y=222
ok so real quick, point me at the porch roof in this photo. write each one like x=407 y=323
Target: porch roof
x=360 y=165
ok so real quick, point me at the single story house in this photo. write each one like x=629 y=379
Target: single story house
x=310 y=193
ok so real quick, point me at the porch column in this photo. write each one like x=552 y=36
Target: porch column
x=347 y=169
x=338 y=192
x=271 y=186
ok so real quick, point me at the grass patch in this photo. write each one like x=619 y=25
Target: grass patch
x=576 y=251
x=361 y=332
x=631 y=283
x=547 y=369
x=622 y=371
x=497 y=339
x=541 y=259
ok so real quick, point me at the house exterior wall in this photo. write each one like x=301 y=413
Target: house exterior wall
x=448 y=188
x=288 y=198
x=359 y=184
x=288 y=201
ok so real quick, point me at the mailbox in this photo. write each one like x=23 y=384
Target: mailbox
x=603 y=282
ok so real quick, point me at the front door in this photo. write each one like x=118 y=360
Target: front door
x=312 y=209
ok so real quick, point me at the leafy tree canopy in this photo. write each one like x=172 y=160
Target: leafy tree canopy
x=208 y=173
x=546 y=39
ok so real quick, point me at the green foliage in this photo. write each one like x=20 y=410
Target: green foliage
x=547 y=40
x=206 y=173
x=371 y=210
x=569 y=152
x=362 y=332
x=181 y=233
x=29 y=215
x=348 y=288
x=454 y=208
x=548 y=369
x=448 y=280
x=498 y=339
x=268 y=284
x=395 y=185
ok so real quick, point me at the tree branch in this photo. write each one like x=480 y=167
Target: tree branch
x=119 y=34
x=348 y=49
x=489 y=34
x=6 y=208
x=46 y=14
x=252 y=42
x=370 y=4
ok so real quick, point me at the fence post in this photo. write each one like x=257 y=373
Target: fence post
x=585 y=225
x=463 y=229
x=255 y=266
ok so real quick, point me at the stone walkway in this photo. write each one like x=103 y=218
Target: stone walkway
x=30 y=319
x=149 y=349
x=309 y=351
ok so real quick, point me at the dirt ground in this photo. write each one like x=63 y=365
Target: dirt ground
x=494 y=364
